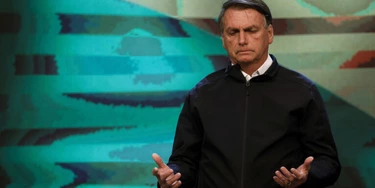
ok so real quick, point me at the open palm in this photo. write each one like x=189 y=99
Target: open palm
x=294 y=177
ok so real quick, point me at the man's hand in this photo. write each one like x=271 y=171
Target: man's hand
x=164 y=174
x=294 y=177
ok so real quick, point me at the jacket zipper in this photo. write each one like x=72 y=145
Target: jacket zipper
x=244 y=135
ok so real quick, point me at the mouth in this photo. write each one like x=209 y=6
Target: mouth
x=243 y=51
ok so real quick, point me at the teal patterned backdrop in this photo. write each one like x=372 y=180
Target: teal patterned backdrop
x=91 y=88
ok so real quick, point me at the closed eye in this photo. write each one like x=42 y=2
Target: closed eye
x=232 y=32
x=251 y=30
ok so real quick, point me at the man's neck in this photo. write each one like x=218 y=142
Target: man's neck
x=250 y=68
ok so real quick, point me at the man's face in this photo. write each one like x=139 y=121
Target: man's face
x=246 y=36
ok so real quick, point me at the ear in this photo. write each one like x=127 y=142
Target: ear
x=270 y=34
x=222 y=41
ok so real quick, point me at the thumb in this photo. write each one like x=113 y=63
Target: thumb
x=307 y=163
x=158 y=160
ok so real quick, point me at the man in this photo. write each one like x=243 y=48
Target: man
x=253 y=124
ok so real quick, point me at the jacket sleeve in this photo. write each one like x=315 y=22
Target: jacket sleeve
x=318 y=142
x=187 y=143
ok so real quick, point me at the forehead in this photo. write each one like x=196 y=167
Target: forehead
x=236 y=17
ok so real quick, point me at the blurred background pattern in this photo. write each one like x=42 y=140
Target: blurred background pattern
x=91 y=88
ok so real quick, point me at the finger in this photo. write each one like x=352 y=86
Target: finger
x=176 y=184
x=282 y=177
x=168 y=180
x=296 y=173
x=155 y=171
x=287 y=174
x=173 y=179
x=278 y=181
x=165 y=173
x=158 y=160
x=307 y=162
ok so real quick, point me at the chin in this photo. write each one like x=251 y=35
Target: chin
x=245 y=60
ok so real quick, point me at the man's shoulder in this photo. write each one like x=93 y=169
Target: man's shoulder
x=211 y=78
x=294 y=76
x=208 y=81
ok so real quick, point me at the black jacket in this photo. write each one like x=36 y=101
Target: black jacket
x=234 y=134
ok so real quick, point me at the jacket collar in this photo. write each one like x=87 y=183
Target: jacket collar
x=235 y=71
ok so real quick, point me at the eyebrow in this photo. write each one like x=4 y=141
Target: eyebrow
x=247 y=28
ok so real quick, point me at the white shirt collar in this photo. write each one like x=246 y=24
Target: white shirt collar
x=261 y=70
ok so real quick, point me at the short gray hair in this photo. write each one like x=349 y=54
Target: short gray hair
x=258 y=5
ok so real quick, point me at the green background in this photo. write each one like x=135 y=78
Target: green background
x=91 y=88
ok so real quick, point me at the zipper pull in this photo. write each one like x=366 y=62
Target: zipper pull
x=248 y=83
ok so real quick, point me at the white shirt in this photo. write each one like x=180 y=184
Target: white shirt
x=261 y=70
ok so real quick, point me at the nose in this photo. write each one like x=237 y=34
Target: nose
x=242 y=38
